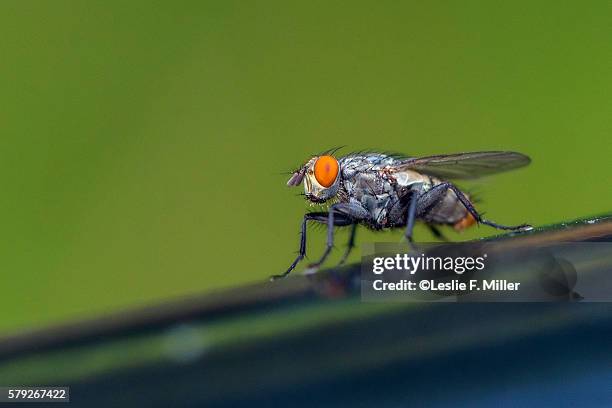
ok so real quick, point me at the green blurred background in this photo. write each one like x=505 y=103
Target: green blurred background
x=142 y=142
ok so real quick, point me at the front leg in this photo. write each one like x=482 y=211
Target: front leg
x=321 y=217
x=353 y=210
x=318 y=216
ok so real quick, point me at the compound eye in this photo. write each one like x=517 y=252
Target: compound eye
x=326 y=170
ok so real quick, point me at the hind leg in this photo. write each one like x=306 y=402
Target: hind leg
x=468 y=205
x=429 y=199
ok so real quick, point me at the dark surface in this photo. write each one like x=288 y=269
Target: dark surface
x=324 y=347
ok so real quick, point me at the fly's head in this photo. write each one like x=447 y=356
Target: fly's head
x=321 y=177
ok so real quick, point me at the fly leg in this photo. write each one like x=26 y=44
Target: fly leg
x=412 y=213
x=351 y=212
x=317 y=216
x=437 y=233
x=351 y=243
x=468 y=205
x=430 y=198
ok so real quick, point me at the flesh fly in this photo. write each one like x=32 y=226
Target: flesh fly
x=382 y=191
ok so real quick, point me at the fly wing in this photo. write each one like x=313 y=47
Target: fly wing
x=465 y=165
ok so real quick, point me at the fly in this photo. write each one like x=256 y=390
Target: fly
x=382 y=191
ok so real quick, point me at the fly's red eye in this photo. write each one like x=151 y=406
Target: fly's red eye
x=326 y=170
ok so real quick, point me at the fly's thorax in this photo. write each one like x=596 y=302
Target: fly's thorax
x=406 y=178
x=374 y=188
